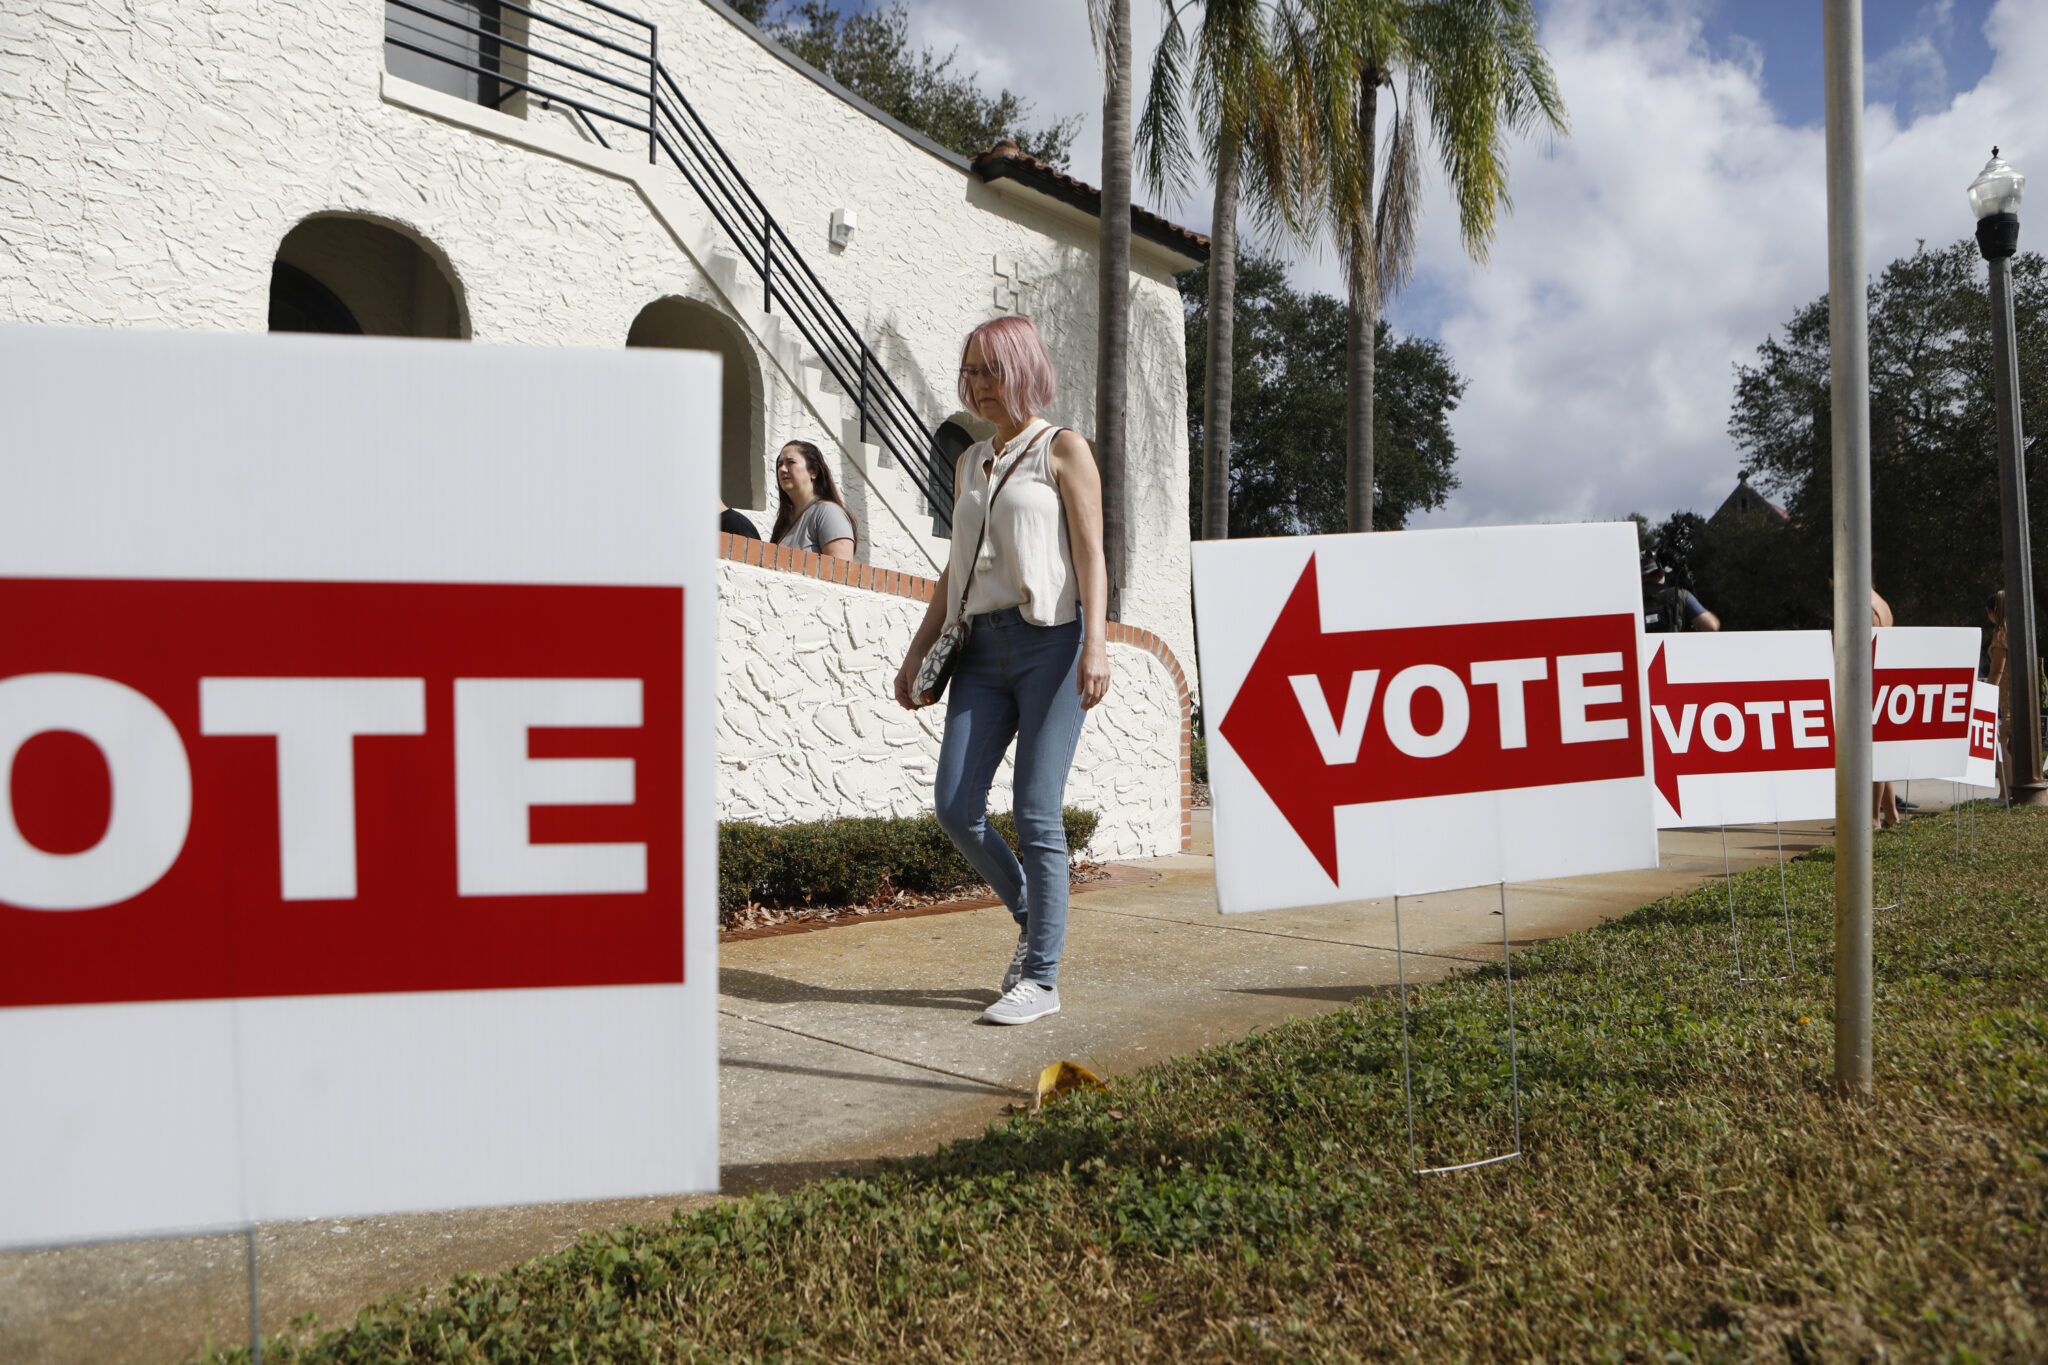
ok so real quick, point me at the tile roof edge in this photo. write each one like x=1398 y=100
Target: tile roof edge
x=1007 y=161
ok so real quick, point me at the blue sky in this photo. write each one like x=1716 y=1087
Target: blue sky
x=1653 y=249
x=1916 y=54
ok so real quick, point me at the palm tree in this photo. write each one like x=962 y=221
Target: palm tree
x=1110 y=24
x=1251 y=66
x=1475 y=71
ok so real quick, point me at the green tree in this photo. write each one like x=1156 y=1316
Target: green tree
x=1473 y=71
x=1287 y=456
x=1935 y=533
x=870 y=53
x=1248 y=68
x=1752 y=572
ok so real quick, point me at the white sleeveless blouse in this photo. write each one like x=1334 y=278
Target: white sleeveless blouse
x=1026 y=560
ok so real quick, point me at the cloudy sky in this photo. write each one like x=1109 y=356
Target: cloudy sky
x=1682 y=219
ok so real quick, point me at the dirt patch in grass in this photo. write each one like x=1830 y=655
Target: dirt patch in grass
x=1690 y=1189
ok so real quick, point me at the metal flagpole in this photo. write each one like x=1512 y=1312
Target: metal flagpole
x=1848 y=346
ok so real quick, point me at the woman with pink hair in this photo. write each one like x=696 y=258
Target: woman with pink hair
x=1027 y=576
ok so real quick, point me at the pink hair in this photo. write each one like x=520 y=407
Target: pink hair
x=1012 y=348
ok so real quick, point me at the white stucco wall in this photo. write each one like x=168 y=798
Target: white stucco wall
x=808 y=728
x=921 y=271
x=159 y=150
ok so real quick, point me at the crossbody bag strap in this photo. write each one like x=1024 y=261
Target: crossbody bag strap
x=974 y=560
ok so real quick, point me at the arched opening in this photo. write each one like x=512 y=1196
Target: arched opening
x=689 y=326
x=353 y=275
x=952 y=438
x=962 y=430
x=300 y=303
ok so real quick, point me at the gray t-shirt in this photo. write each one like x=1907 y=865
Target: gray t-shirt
x=817 y=526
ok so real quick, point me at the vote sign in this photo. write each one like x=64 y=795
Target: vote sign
x=356 y=836
x=205 y=757
x=1413 y=711
x=1742 y=727
x=1920 y=712
x=1982 y=768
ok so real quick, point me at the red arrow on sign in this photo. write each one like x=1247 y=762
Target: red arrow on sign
x=1352 y=717
x=1778 y=725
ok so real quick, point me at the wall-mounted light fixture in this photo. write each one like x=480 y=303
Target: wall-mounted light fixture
x=844 y=221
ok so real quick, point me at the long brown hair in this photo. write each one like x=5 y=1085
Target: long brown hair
x=821 y=487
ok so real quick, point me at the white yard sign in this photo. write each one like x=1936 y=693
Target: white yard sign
x=1742 y=727
x=1982 y=768
x=1407 y=712
x=356 y=829
x=1922 y=676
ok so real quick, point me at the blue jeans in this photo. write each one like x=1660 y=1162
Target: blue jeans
x=1015 y=680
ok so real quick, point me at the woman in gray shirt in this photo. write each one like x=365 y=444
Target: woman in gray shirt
x=809 y=514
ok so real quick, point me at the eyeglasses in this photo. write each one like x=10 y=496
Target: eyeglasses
x=994 y=372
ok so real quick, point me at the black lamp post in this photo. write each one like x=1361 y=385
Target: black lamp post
x=1995 y=197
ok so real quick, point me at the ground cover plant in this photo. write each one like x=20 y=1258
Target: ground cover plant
x=1691 y=1191
x=853 y=862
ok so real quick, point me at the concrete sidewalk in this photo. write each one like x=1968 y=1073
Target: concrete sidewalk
x=859 y=1041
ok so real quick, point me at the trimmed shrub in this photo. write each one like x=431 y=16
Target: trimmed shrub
x=854 y=861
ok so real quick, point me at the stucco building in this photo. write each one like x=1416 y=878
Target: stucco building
x=567 y=173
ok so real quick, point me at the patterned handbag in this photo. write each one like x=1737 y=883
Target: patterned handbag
x=944 y=655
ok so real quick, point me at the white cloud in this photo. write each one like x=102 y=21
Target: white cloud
x=1648 y=252
x=1657 y=246
x=1914 y=73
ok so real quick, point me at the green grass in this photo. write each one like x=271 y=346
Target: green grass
x=1691 y=1190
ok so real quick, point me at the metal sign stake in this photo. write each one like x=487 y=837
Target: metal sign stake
x=1900 y=840
x=255 y=1302
x=1514 y=1061
x=1785 y=902
x=1734 y=932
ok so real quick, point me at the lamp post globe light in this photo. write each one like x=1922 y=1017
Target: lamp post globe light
x=1995 y=198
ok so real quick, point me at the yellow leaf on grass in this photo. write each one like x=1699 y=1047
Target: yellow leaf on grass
x=1060 y=1077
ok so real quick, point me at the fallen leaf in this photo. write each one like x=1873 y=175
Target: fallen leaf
x=1060 y=1077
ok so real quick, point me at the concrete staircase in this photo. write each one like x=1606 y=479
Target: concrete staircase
x=897 y=526
x=898 y=530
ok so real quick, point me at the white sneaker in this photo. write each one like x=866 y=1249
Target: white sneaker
x=1016 y=972
x=1023 y=1002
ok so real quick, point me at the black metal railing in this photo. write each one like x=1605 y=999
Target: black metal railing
x=600 y=64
